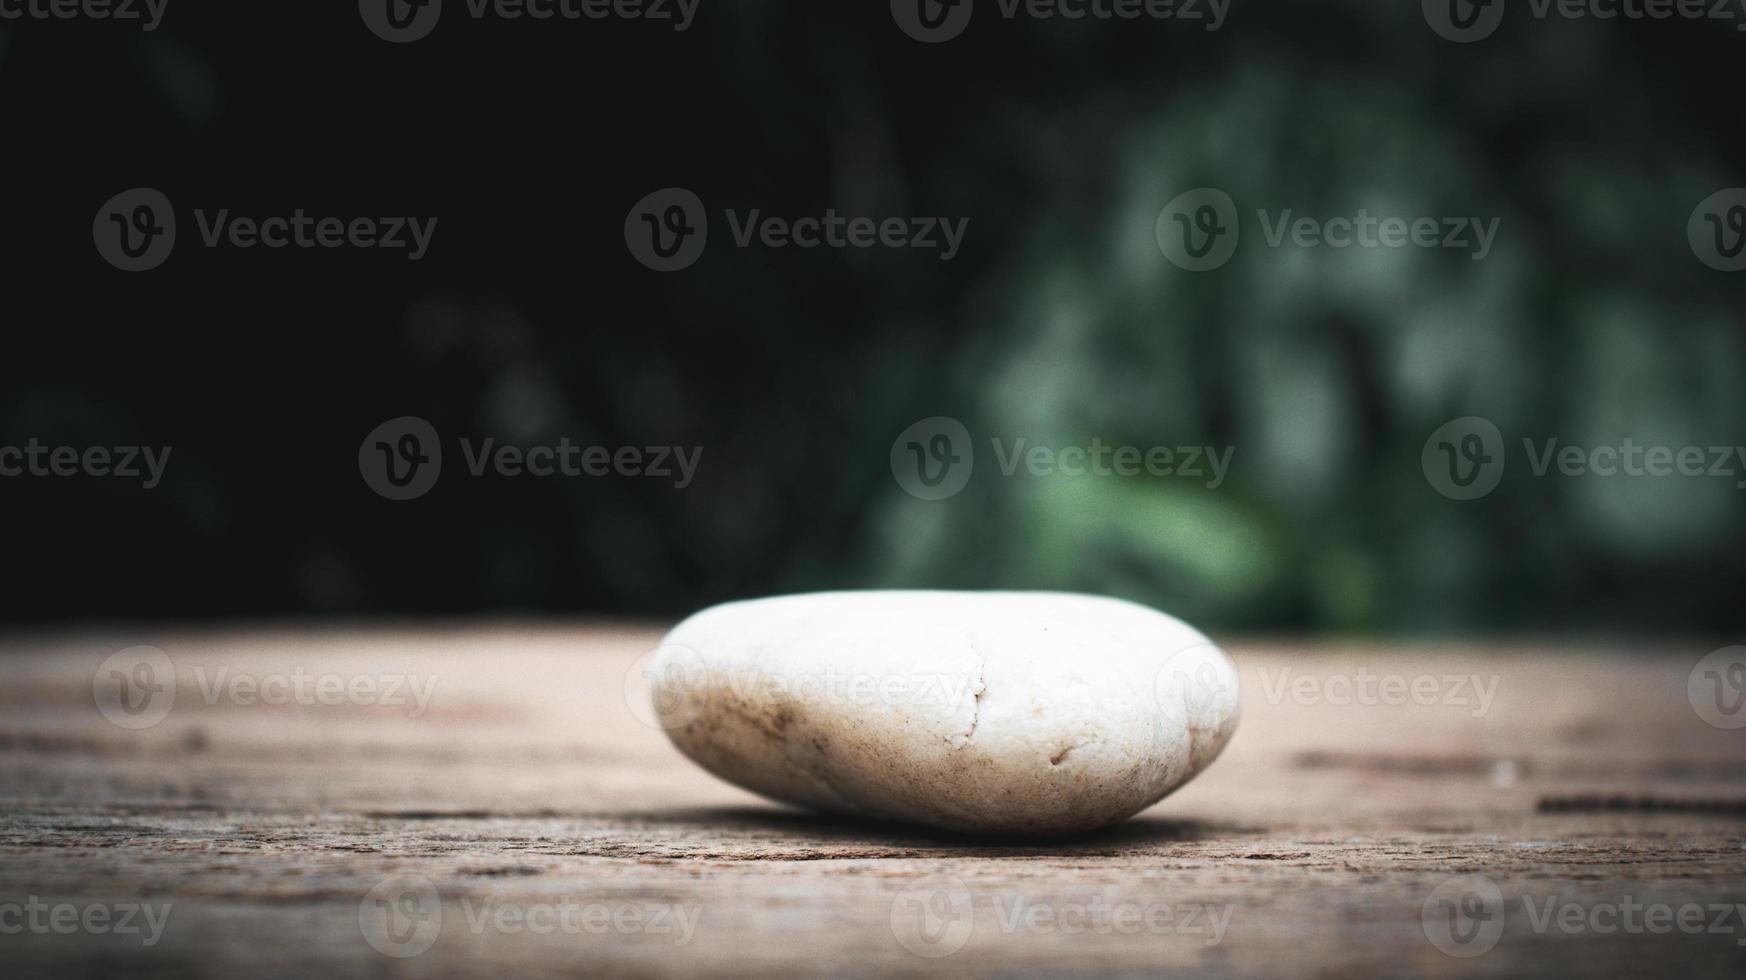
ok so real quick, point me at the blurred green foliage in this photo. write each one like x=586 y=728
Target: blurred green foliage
x=1061 y=322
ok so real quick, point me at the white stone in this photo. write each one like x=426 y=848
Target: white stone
x=980 y=712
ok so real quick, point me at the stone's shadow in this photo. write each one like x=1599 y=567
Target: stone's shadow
x=800 y=826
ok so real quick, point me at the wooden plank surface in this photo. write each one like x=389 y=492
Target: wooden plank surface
x=523 y=821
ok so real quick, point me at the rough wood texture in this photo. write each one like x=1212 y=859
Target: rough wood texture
x=528 y=789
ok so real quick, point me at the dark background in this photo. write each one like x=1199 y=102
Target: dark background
x=1059 y=321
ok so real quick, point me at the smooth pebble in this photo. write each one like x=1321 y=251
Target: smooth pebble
x=978 y=712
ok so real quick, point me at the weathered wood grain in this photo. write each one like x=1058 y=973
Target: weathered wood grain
x=528 y=784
